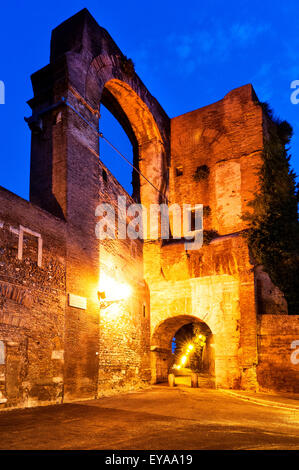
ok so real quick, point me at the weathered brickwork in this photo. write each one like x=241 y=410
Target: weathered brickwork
x=210 y=285
x=214 y=284
x=32 y=305
x=124 y=328
x=227 y=137
x=67 y=330
x=276 y=370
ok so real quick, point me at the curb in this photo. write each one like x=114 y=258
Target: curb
x=262 y=402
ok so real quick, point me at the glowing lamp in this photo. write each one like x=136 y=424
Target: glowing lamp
x=112 y=291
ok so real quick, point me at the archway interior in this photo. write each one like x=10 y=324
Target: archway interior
x=192 y=349
x=148 y=155
x=174 y=343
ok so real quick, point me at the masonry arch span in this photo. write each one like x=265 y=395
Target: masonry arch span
x=162 y=357
x=142 y=130
x=109 y=81
x=88 y=68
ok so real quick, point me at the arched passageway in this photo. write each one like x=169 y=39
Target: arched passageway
x=140 y=117
x=193 y=352
x=181 y=345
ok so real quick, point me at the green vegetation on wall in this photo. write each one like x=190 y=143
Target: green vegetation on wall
x=273 y=234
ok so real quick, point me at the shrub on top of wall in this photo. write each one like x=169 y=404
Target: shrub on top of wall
x=127 y=66
x=273 y=234
x=202 y=172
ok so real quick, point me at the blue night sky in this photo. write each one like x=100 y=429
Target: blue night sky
x=188 y=54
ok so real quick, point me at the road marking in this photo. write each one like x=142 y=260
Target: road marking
x=261 y=402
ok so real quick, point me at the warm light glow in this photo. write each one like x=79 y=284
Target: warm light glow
x=202 y=338
x=113 y=290
x=190 y=347
x=183 y=360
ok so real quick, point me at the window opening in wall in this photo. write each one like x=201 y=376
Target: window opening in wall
x=179 y=171
x=112 y=129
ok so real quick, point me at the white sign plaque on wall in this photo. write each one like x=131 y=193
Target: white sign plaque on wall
x=77 y=301
x=58 y=354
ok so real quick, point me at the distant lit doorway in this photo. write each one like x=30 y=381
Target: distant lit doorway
x=193 y=352
x=183 y=345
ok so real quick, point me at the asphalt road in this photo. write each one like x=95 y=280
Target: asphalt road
x=156 y=418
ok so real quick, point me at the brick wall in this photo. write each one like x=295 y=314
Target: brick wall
x=227 y=137
x=61 y=341
x=275 y=370
x=216 y=283
x=50 y=344
x=124 y=326
x=32 y=304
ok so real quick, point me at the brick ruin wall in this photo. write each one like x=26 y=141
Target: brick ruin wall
x=124 y=341
x=54 y=350
x=36 y=337
x=32 y=304
x=217 y=284
x=278 y=341
x=214 y=284
x=227 y=137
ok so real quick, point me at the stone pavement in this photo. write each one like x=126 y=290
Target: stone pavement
x=155 y=418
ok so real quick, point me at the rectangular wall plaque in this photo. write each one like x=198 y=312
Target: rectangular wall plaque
x=77 y=301
x=58 y=354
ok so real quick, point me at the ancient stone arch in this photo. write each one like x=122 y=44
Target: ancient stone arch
x=67 y=335
x=213 y=301
x=112 y=80
x=215 y=284
x=88 y=68
x=161 y=343
x=148 y=146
